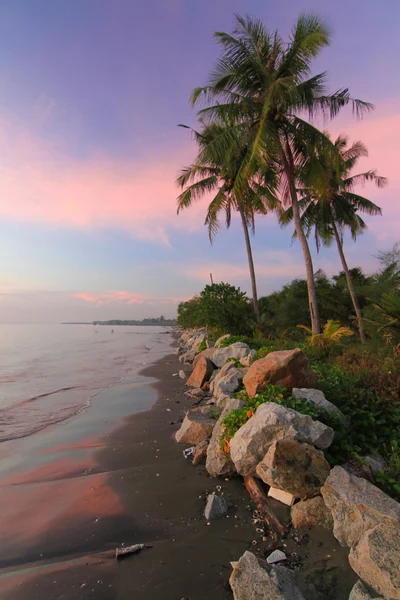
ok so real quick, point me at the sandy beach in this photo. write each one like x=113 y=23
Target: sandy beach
x=107 y=478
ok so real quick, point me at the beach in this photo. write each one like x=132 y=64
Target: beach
x=120 y=479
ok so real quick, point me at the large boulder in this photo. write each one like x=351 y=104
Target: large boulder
x=195 y=342
x=219 y=463
x=311 y=513
x=299 y=469
x=207 y=353
x=273 y=422
x=252 y=579
x=237 y=351
x=201 y=373
x=187 y=357
x=219 y=374
x=317 y=398
x=227 y=384
x=197 y=426
x=360 y=592
x=376 y=559
x=356 y=506
x=289 y=368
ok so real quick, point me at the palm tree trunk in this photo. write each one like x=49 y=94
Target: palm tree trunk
x=349 y=284
x=288 y=164
x=251 y=263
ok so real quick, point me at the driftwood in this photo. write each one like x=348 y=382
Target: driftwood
x=126 y=550
x=260 y=499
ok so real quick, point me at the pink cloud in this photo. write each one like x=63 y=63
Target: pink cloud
x=40 y=184
x=124 y=297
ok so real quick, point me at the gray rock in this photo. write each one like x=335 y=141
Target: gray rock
x=218 y=375
x=238 y=351
x=375 y=462
x=182 y=374
x=228 y=384
x=360 y=592
x=197 y=426
x=216 y=507
x=276 y=556
x=219 y=463
x=272 y=422
x=356 y=506
x=187 y=357
x=376 y=559
x=317 y=398
x=252 y=579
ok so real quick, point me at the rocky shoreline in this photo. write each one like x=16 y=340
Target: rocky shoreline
x=279 y=452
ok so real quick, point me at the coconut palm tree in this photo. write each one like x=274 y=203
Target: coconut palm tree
x=264 y=87
x=208 y=175
x=329 y=204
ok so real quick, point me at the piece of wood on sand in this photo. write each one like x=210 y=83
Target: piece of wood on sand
x=260 y=499
x=127 y=550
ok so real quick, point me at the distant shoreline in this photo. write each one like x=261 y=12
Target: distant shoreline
x=145 y=323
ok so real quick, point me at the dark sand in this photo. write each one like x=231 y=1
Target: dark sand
x=61 y=519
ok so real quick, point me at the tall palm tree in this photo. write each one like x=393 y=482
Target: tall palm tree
x=208 y=174
x=264 y=87
x=329 y=204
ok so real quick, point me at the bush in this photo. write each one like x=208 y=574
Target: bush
x=220 y=307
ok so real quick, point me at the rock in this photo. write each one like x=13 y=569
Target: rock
x=201 y=373
x=220 y=339
x=299 y=469
x=249 y=359
x=282 y=496
x=216 y=507
x=187 y=357
x=273 y=422
x=311 y=513
x=253 y=579
x=195 y=393
x=375 y=462
x=222 y=400
x=228 y=383
x=200 y=453
x=360 y=592
x=197 y=426
x=237 y=351
x=276 y=556
x=182 y=374
x=207 y=353
x=376 y=559
x=220 y=373
x=219 y=463
x=318 y=398
x=195 y=342
x=289 y=368
x=356 y=506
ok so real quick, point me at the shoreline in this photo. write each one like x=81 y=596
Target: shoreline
x=144 y=491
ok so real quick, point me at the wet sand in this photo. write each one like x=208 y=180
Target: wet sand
x=92 y=486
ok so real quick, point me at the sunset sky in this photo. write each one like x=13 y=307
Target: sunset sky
x=91 y=92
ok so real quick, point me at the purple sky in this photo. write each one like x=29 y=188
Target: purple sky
x=91 y=92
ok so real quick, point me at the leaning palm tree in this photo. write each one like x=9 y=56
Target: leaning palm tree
x=208 y=175
x=263 y=86
x=329 y=205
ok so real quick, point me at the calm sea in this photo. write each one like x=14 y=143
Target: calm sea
x=49 y=373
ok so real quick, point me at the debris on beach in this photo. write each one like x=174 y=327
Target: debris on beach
x=182 y=374
x=126 y=550
x=216 y=507
x=188 y=452
x=276 y=556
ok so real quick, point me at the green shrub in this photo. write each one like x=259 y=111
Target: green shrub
x=203 y=346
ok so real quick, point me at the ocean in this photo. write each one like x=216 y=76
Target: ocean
x=48 y=373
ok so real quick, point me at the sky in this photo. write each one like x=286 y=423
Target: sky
x=91 y=93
